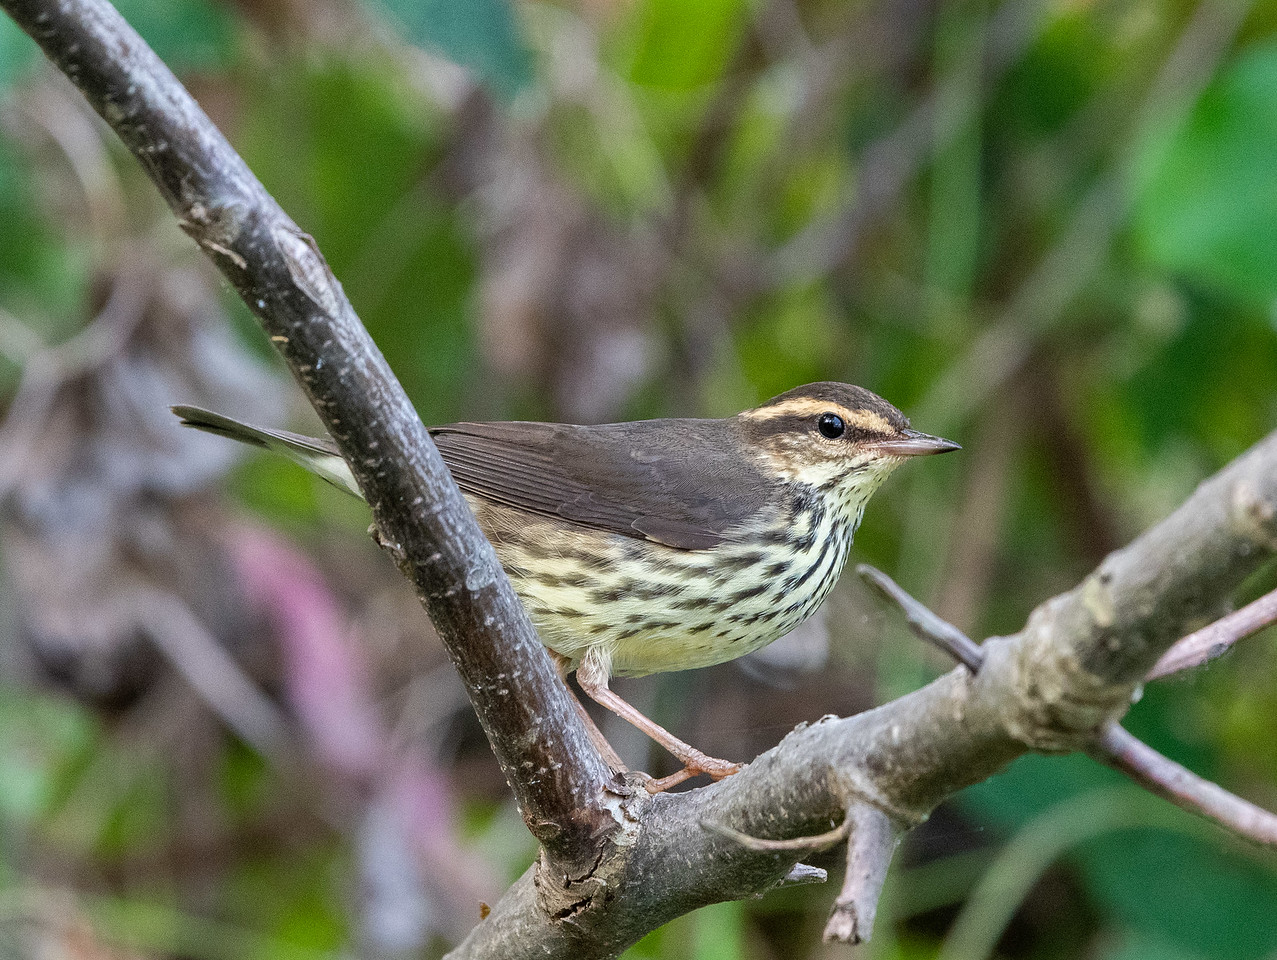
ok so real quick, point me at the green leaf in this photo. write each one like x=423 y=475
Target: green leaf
x=1185 y=891
x=1206 y=196
x=480 y=34
x=1137 y=947
x=714 y=932
x=682 y=44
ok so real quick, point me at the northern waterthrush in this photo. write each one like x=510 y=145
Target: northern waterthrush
x=662 y=544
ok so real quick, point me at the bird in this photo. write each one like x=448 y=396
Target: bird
x=660 y=545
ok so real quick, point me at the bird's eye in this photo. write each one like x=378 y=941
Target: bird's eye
x=830 y=425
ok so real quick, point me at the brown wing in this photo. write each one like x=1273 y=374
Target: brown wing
x=683 y=484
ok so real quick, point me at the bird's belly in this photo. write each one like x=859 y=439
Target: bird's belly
x=650 y=608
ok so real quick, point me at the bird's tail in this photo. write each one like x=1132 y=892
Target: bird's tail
x=318 y=456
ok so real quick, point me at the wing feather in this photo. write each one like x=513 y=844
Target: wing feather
x=685 y=485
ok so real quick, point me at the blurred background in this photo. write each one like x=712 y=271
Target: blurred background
x=1044 y=228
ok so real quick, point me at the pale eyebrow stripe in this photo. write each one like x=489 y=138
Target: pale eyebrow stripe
x=809 y=406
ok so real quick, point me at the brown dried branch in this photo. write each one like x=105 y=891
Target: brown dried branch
x=1203 y=646
x=419 y=512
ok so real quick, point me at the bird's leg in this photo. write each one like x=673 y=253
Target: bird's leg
x=564 y=666
x=592 y=675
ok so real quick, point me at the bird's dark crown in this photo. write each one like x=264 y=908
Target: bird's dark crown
x=863 y=413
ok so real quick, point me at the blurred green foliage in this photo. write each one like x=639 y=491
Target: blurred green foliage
x=17 y=53
x=1047 y=230
x=480 y=34
x=1208 y=200
x=400 y=252
x=188 y=35
x=679 y=46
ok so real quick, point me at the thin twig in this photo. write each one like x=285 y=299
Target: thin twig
x=213 y=674
x=801 y=875
x=1160 y=775
x=872 y=839
x=1215 y=640
x=821 y=841
x=923 y=622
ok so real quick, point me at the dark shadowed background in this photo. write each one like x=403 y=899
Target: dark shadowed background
x=1047 y=230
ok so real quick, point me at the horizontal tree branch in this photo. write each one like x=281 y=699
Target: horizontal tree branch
x=557 y=775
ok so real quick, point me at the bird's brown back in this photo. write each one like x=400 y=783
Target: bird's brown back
x=682 y=483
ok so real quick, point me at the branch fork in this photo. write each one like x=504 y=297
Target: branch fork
x=872 y=838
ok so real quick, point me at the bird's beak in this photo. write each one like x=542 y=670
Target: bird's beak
x=911 y=443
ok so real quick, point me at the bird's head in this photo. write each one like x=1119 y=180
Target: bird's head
x=838 y=438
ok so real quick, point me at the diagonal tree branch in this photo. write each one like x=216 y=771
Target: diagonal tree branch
x=559 y=778
x=1204 y=645
x=923 y=621
x=1163 y=776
